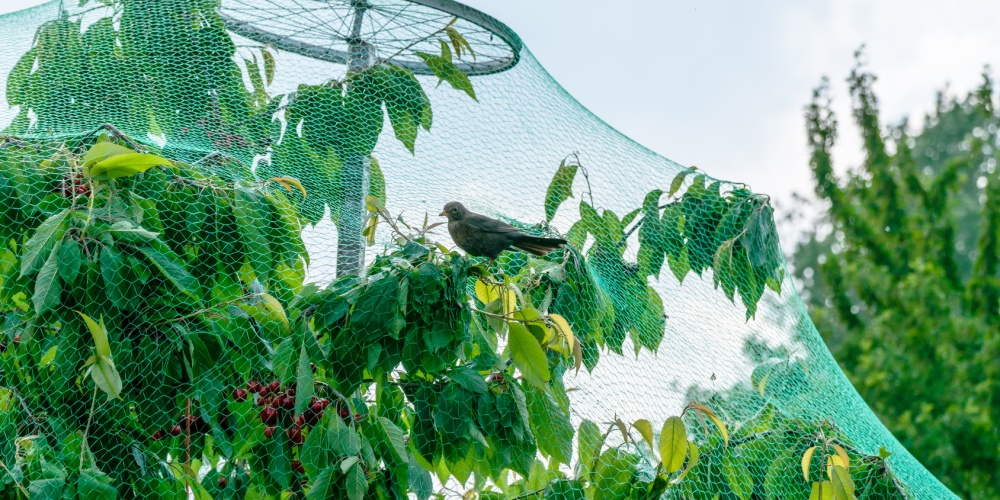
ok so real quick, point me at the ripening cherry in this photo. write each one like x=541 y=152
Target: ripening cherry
x=274 y=386
x=240 y=395
x=158 y=435
x=253 y=386
x=295 y=435
x=297 y=466
x=269 y=432
x=269 y=416
x=222 y=482
x=176 y=431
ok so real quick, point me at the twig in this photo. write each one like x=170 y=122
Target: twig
x=9 y=473
x=86 y=430
x=187 y=438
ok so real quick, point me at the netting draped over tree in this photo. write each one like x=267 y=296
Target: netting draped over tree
x=222 y=277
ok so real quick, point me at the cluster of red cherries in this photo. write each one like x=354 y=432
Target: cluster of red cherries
x=277 y=405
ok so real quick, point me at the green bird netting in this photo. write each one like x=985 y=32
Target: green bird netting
x=224 y=275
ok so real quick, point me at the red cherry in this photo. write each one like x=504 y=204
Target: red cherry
x=253 y=386
x=222 y=482
x=288 y=402
x=275 y=402
x=297 y=466
x=358 y=417
x=17 y=340
x=261 y=401
x=268 y=416
x=240 y=395
x=176 y=431
x=344 y=413
x=264 y=391
x=158 y=435
x=300 y=420
x=317 y=407
x=295 y=435
x=313 y=366
x=290 y=392
x=274 y=386
x=325 y=402
x=269 y=432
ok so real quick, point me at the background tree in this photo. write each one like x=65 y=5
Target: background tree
x=903 y=281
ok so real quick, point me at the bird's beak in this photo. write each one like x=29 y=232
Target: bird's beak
x=443 y=214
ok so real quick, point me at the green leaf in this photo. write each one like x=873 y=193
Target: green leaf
x=420 y=480
x=47 y=285
x=645 y=430
x=249 y=219
x=737 y=475
x=304 y=379
x=673 y=444
x=675 y=185
x=322 y=484
x=550 y=425
x=394 y=437
x=114 y=273
x=105 y=376
x=125 y=165
x=843 y=485
x=269 y=314
x=268 y=64
x=614 y=474
x=356 y=483
x=45 y=236
x=70 y=259
x=468 y=378
x=588 y=443
x=560 y=189
x=99 y=333
x=95 y=485
x=446 y=70
x=528 y=355
x=47 y=488
x=171 y=270
x=102 y=151
x=19 y=77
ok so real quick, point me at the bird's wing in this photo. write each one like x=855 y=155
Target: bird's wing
x=488 y=224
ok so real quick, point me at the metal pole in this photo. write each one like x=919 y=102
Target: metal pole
x=355 y=171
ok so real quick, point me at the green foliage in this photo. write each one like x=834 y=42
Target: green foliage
x=906 y=286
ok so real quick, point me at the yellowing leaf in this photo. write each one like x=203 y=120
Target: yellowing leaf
x=714 y=418
x=673 y=444
x=288 y=182
x=269 y=313
x=821 y=491
x=645 y=429
x=528 y=355
x=834 y=461
x=842 y=453
x=577 y=356
x=807 y=461
x=564 y=329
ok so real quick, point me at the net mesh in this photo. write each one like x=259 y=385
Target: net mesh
x=222 y=276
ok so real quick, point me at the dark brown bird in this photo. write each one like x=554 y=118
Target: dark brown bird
x=482 y=236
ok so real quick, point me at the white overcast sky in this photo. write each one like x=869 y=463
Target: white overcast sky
x=721 y=83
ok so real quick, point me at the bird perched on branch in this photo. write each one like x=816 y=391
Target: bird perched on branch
x=482 y=236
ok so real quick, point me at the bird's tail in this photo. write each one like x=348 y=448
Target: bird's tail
x=538 y=246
